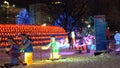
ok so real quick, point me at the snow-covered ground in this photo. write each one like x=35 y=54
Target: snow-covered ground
x=70 y=59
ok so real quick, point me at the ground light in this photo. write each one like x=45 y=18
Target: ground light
x=75 y=58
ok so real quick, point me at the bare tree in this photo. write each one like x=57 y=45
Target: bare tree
x=108 y=8
x=77 y=9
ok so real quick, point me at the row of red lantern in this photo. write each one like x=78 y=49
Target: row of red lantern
x=41 y=34
x=36 y=33
x=6 y=44
x=28 y=28
x=35 y=42
x=33 y=37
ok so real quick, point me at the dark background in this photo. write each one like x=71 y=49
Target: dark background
x=79 y=9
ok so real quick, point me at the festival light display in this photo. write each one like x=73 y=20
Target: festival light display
x=39 y=34
x=117 y=38
x=28 y=58
x=23 y=17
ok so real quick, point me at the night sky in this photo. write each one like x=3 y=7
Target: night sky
x=109 y=8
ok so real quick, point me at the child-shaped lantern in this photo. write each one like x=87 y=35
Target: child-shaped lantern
x=54 y=45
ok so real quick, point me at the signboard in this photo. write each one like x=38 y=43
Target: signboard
x=100 y=32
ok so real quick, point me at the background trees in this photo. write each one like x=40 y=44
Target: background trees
x=77 y=9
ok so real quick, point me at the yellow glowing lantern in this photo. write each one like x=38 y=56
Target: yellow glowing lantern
x=28 y=57
x=73 y=35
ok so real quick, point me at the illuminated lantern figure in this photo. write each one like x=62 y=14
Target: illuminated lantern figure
x=54 y=54
x=108 y=33
x=27 y=48
x=117 y=38
x=81 y=45
x=73 y=38
x=23 y=17
x=89 y=42
x=78 y=46
x=13 y=52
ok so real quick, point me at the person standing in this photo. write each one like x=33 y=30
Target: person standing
x=27 y=48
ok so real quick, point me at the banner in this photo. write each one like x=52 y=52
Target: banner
x=100 y=32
